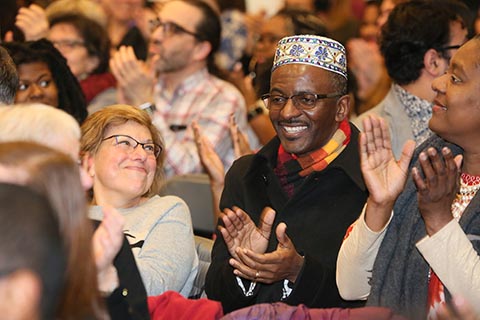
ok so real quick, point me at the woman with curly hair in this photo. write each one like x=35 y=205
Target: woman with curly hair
x=45 y=77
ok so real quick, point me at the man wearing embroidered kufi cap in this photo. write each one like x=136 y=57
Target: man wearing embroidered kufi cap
x=287 y=208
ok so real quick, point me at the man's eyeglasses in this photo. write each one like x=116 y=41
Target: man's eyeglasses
x=450 y=48
x=444 y=50
x=170 y=28
x=128 y=144
x=303 y=101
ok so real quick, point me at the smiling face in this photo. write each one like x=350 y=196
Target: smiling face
x=36 y=84
x=456 y=114
x=301 y=132
x=118 y=175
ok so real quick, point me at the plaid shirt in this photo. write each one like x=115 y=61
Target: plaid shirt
x=208 y=100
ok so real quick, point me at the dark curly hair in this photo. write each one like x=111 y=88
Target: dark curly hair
x=70 y=95
x=8 y=78
x=413 y=28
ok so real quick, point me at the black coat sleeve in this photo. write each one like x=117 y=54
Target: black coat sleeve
x=221 y=284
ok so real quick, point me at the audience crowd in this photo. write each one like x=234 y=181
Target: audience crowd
x=337 y=140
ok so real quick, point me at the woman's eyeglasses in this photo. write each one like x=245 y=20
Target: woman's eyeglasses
x=129 y=144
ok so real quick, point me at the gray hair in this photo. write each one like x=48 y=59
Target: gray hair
x=39 y=123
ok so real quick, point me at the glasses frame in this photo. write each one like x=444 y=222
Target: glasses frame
x=68 y=44
x=318 y=96
x=170 y=28
x=450 y=47
x=156 y=154
x=443 y=51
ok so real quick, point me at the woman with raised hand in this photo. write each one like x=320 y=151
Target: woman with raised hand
x=117 y=271
x=414 y=260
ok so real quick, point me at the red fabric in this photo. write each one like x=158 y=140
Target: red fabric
x=349 y=230
x=97 y=83
x=436 y=295
x=282 y=311
x=173 y=306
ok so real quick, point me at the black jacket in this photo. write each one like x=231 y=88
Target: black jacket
x=317 y=217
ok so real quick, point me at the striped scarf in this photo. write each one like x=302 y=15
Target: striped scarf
x=291 y=169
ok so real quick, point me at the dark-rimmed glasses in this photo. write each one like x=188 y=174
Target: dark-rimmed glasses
x=128 y=144
x=443 y=50
x=302 y=101
x=67 y=45
x=170 y=28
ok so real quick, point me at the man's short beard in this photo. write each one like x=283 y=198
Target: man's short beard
x=170 y=66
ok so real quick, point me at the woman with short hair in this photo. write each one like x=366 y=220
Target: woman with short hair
x=122 y=151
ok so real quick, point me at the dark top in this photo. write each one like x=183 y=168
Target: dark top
x=129 y=300
x=135 y=39
x=317 y=217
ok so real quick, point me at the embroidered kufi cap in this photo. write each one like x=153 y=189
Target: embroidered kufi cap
x=313 y=50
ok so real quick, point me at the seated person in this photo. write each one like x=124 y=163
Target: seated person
x=85 y=45
x=306 y=179
x=55 y=175
x=122 y=151
x=179 y=86
x=415 y=260
x=56 y=129
x=46 y=78
x=32 y=258
x=287 y=22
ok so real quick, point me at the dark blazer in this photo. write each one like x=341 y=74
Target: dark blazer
x=129 y=300
x=317 y=217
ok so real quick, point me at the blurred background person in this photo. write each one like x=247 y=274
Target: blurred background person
x=85 y=45
x=365 y=61
x=368 y=29
x=340 y=19
x=122 y=25
x=417 y=43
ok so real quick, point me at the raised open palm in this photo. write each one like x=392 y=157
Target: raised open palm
x=240 y=232
x=384 y=176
